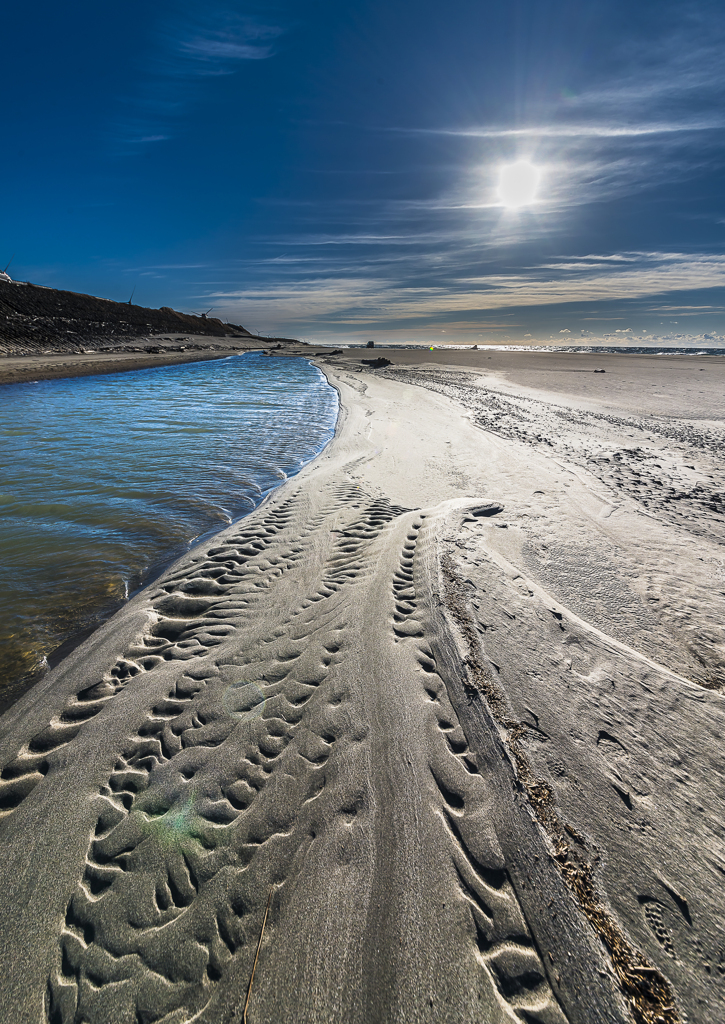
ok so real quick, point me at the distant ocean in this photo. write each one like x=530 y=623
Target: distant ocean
x=105 y=480
x=650 y=350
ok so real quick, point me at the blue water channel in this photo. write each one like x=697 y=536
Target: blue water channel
x=105 y=480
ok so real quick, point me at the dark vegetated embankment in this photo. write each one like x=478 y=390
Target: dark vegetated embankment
x=35 y=320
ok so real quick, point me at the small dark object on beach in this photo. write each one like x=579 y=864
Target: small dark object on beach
x=153 y=349
x=336 y=352
x=484 y=511
x=370 y=344
x=377 y=364
x=600 y=371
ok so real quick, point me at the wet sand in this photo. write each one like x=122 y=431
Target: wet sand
x=434 y=735
x=21 y=369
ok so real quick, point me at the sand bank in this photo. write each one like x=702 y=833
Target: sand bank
x=20 y=369
x=436 y=731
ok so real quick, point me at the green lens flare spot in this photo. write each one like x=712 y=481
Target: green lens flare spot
x=174 y=827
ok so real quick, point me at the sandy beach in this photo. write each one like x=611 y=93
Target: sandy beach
x=53 y=366
x=435 y=734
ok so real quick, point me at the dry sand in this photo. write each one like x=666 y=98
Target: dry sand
x=434 y=735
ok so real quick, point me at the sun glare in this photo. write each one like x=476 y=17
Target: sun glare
x=518 y=184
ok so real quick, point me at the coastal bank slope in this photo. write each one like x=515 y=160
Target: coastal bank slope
x=47 y=333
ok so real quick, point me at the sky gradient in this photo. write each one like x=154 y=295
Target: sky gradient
x=331 y=171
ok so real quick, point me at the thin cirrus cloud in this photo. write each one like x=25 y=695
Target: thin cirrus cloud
x=571 y=131
x=212 y=48
x=189 y=47
x=654 y=116
x=351 y=300
x=683 y=65
x=438 y=242
x=677 y=74
x=574 y=174
x=577 y=167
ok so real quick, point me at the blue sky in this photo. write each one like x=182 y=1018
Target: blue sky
x=332 y=171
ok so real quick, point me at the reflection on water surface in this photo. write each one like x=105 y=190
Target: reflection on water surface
x=104 y=480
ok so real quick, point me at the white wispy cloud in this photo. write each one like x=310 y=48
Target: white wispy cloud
x=191 y=44
x=571 y=131
x=684 y=63
x=219 y=43
x=373 y=299
x=654 y=116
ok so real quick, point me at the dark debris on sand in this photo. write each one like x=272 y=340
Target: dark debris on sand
x=377 y=364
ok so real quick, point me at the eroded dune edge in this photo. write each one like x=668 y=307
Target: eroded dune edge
x=434 y=735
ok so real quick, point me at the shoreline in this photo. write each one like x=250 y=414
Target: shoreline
x=432 y=704
x=27 y=369
x=20 y=369
x=11 y=692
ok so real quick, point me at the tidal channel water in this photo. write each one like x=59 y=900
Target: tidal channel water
x=105 y=480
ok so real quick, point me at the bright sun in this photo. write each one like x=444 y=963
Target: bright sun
x=518 y=184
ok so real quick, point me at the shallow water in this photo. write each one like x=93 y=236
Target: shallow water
x=105 y=480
